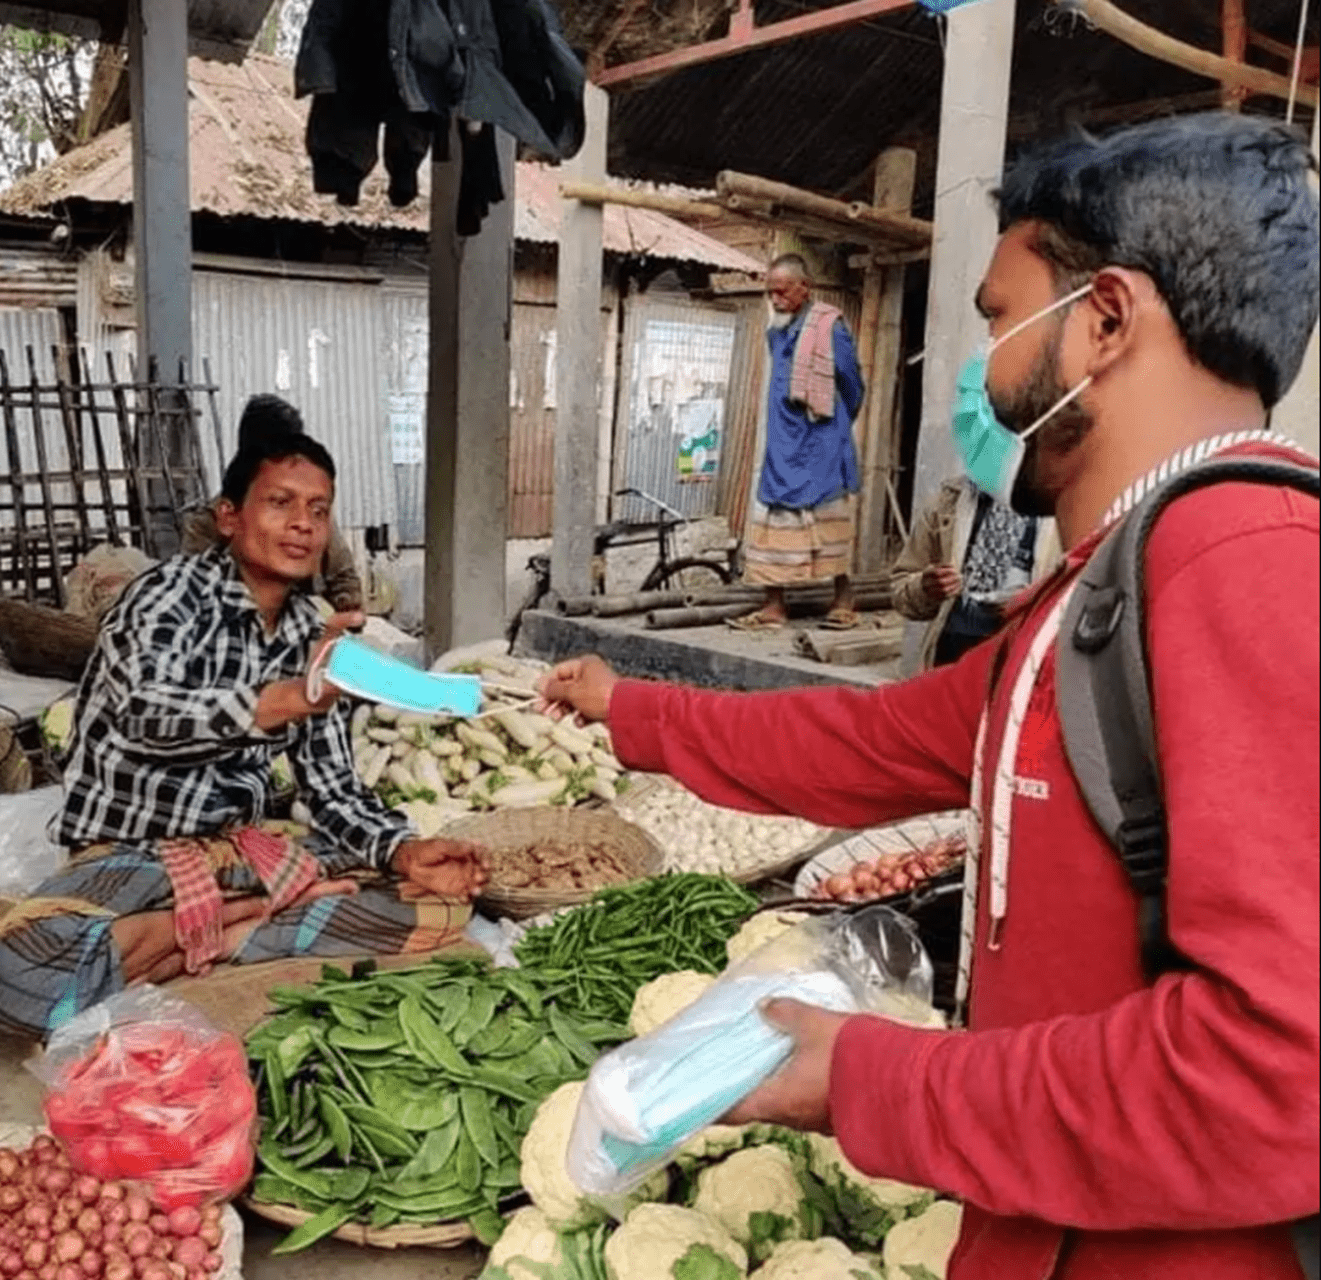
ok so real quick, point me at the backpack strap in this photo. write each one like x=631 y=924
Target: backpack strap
x=1104 y=693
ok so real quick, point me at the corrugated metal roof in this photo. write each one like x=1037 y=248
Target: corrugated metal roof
x=248 y=160
x=216 y=28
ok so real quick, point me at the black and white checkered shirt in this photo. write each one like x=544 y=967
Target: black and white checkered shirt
x=165 y=741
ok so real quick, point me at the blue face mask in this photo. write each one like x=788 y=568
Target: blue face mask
x=357 y=668
x=991 y=453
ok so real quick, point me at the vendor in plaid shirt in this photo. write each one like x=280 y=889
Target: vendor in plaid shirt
x=195 y=686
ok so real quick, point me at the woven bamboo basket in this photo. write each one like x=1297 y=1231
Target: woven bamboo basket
x=41 y=641
x=444 y=1235
x=511 y=829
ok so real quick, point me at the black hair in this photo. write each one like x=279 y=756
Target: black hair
x=1216 y=208
x=270 y=430
x=267 y=414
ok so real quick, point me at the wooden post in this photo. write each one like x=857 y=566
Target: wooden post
x=467 y=452
x=1234 y=47
x=892 y=189
x=974 y=117
x=578 y=362
x=1298 y=415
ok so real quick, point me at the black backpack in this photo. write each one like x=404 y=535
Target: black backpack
x=1104 y=699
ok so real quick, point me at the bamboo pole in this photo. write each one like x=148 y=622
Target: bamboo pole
x=900 y=229
x=48 y=506
x=841 y=226
x=1156 y=44
x=18 y=487
x=98 y=443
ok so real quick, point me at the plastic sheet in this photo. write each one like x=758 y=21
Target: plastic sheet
x=142 y=1088
x=27 y=853
x=646 y=1098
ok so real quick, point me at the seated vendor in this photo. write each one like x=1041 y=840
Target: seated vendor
x=195 y=686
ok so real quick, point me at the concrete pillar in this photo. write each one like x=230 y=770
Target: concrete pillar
x=467 y=459
x=1298 y=414
x=974 y=115
x=578 y=356
x=974 y=119
x=162 y=222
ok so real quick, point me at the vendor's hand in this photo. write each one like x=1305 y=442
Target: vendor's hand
x=286 y=700
x=798 y=1095
x=581 y=685
x=443 y=868
x=940 y=582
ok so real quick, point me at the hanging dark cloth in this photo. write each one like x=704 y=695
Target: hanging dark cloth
x=408 y=66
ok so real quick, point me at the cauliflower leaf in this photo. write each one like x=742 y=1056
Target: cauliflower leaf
x=702 y=1262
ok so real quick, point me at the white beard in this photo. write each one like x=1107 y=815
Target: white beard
x=781 y=319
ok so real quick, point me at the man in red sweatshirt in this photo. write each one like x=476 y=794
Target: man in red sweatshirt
x=1097 y=1126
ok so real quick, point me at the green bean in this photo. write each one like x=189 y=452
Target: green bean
x=322 y=1224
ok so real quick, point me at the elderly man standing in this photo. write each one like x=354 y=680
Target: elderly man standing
x=801 y=528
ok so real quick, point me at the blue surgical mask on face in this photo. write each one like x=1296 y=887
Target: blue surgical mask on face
x=991 y=453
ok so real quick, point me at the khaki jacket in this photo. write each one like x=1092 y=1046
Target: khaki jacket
x=338 y=580
x=940 y=536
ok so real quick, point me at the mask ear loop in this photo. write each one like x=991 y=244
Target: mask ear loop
x=1080 y=292
x=1056 y=407
x=316 y=673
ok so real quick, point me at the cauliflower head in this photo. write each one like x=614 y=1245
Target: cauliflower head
x=757 y=932
x=757 y=1181
x=824 y=1259
x=528 y=1237
x=661 y=998
x=828 y=1161
x=655 y=1238
x=544 y=1173
x=714 y=1141
x=925 y=1241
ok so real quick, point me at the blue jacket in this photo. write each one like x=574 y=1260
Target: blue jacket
x=808 y=463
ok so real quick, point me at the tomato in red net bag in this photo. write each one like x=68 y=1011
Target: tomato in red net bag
x=142 y=1088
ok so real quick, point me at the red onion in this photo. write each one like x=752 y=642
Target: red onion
x=92 y=1263
x=48 y=1271
x=211 y=1262
x=159 y=1223
x=36 y=1254
x=68 y=1246
x=211 y=1234
x=88 y=1222
x=190 y=1251
x=161 y=1248
x=11 y=1264
x=185 y=1220
x=88 y=1189
x=139 y=1207
x=36 y=1214
x=69 y=1271
x=119 y=1270
x=60 y=1222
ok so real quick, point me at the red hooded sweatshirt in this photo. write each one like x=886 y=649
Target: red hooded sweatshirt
x=1096 y=1127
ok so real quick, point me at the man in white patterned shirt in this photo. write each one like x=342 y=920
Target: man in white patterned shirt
x=195 y=686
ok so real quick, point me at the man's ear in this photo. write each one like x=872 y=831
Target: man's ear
x=1114 y=307
x=226 y=519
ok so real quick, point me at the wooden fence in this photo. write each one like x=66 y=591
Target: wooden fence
x=114 y=460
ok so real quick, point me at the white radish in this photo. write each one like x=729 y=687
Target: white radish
x=480 y=739
x=515 y=724
x=399 y=775
x=521 y=795
x=362 y=715
x=492 y=759
x=470 y=769
x=571 y=740
x=427 y=773
x=372 y=774
x=378 y=734
x=386 y=715
x=402 y=749
x=443 y=747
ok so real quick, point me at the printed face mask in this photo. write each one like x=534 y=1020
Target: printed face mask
x=991 y=453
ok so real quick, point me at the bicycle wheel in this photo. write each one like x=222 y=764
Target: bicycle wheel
x=689 y=573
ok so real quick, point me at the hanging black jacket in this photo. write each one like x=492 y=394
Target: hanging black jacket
x=408 y=65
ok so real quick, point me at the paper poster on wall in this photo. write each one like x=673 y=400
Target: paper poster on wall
x=407 y=440
x=698 y=424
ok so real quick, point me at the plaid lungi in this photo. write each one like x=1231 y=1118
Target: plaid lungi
x=786 y=546
x=57 y=954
